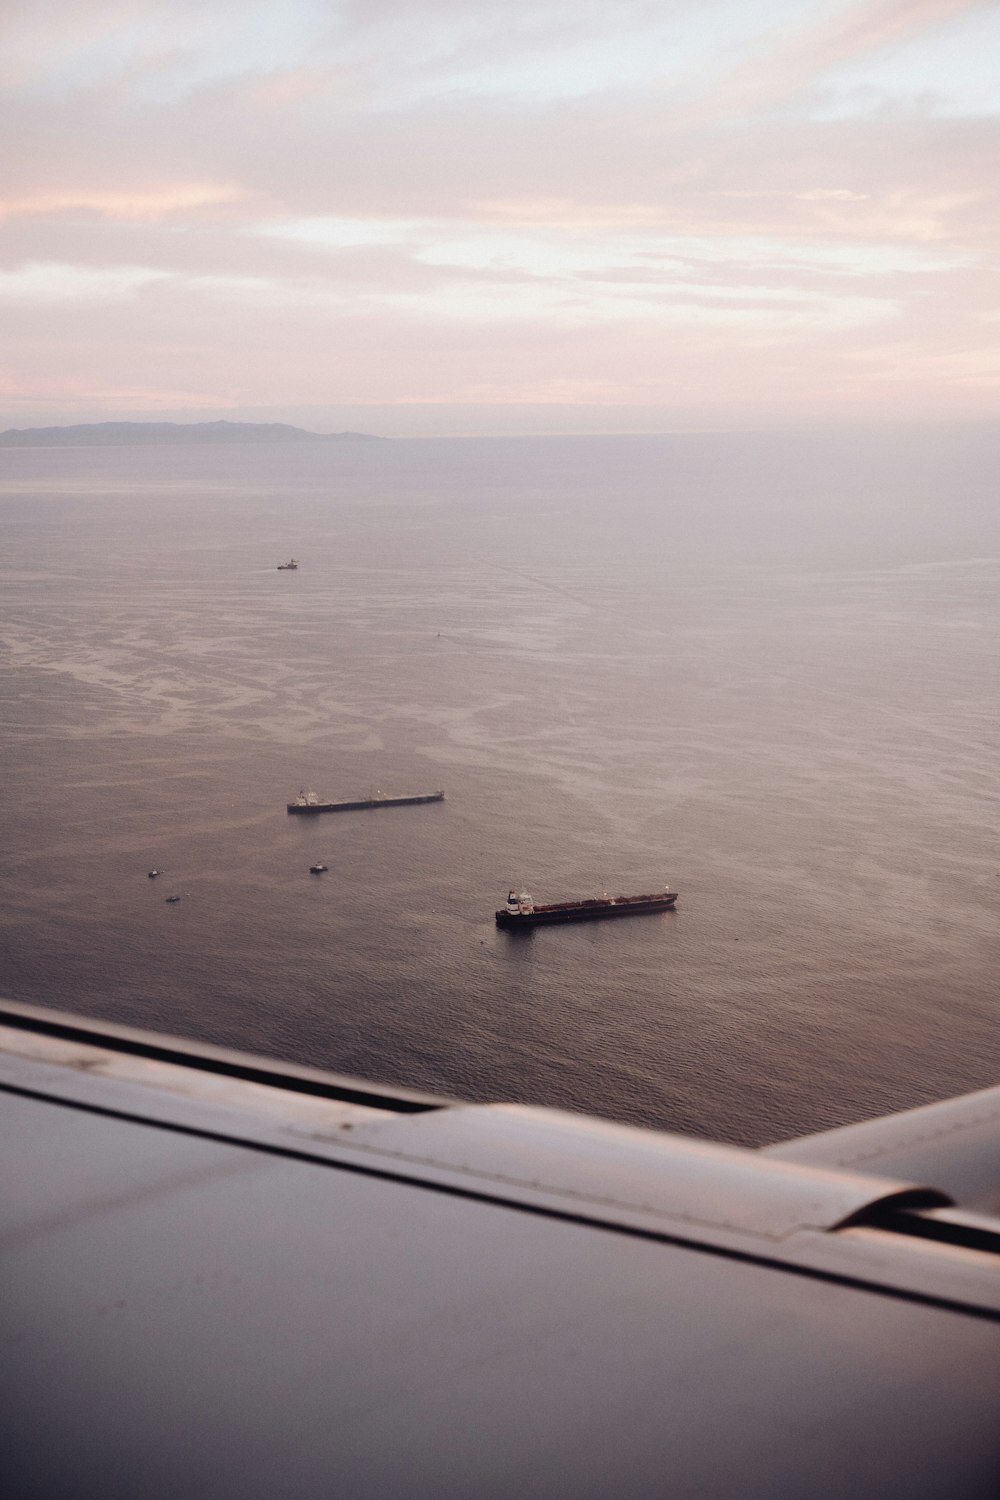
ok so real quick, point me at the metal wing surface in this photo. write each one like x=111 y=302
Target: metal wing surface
x=954 y=1144
x=224 y=1277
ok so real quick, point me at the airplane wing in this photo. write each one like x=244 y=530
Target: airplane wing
x=224 y=1277
x=954 y=1144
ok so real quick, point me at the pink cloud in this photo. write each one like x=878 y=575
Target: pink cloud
x=152 y=204
x=613 y=249
x=786 y=64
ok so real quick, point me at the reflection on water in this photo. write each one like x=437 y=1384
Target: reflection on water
x=768 y=681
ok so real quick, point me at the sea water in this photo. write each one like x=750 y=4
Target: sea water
x=762 y=669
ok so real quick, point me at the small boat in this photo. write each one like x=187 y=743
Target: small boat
x=317 y=869
x=289 y=567
x=153 y=874
x=171 y=899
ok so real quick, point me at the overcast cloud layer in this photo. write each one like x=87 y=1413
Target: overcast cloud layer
x=548 y=215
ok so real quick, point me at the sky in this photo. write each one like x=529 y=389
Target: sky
x=452 y=216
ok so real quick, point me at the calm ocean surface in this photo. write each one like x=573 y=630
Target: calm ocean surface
x=763 y=669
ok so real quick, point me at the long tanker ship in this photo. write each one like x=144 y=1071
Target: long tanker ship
x=308 y=802
x=521 y=911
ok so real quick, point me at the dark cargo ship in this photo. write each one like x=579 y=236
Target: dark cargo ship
x=308 y=802
x=521 y=911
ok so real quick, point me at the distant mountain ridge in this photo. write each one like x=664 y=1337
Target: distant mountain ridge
x=133 y=434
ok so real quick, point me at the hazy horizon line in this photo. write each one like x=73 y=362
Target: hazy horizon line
x=383 y=421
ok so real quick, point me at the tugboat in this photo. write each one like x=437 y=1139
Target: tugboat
x=521 y=911
x=317 y=869
x=289 y=567
x=153 y=874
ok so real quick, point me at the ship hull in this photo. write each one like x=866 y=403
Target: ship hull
x=321 y=807
x=586 y=911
